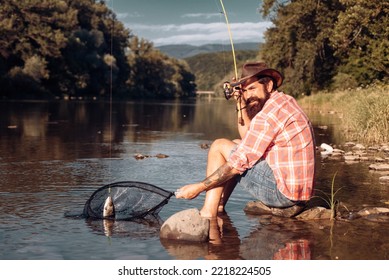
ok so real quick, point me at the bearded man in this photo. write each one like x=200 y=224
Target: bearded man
x=274 y=159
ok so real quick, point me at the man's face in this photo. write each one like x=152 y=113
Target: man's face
x=255 y=95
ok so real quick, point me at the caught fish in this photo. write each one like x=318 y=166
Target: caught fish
x=109 y=208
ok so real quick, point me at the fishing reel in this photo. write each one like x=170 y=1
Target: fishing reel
x=230 y=89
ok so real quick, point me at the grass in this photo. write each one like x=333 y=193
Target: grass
x=330 y=199
x=364 y=111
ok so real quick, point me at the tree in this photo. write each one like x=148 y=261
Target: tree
x=319 y=44
x=360 y=37
x=154 y=74
x=298 y=43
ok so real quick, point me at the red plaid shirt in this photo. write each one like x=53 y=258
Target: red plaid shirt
x=282 y=135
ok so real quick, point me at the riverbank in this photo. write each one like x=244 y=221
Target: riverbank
x=363 y=112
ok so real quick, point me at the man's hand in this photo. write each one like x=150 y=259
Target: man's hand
x=190 y=191
x=218 y=178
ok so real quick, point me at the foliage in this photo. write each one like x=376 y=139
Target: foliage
x=364 y=111
x=330 y=198
x=212 y=69
x=154 y=74
x=316 y=43
x=79 y=48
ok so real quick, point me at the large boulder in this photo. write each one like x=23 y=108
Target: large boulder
x=186 y=225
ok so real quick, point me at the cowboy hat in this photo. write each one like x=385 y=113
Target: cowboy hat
x=259 y=69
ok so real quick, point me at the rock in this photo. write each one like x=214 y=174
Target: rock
x=379 y=166
x=349 y=144
x=161 y=156
x=384 y=179
x=351 y=158
x=359 y=147
x=379 y=159
x=326 y=148
x=377 y=218
x=186 y=225
x=258 y=208
x=315 y=213
x=372 y=210
x=204 y=146
x=139 y=156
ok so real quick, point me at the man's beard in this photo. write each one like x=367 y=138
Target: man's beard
x=255 y=105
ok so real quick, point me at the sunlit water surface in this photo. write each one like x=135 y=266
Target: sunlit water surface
x=54 y=155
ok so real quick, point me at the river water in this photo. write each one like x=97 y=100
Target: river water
x=53 y=155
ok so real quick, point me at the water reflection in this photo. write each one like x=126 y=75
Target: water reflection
x=138 y=229
x=223 y=243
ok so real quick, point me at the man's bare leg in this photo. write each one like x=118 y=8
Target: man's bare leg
x=217 y=156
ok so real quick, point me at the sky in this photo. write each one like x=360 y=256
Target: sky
x=194 y=22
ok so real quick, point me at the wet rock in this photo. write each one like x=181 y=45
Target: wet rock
x=258 y=208
x=186 y=225
x=139 y=156
x=373 y=210
x=359 y=147
x=315 y=213
x=349 y=144
x=161 y=156
x=378 y=218
x=384 y=179
x=204 y=146
x=379 y=159
x=379 y=166
x=351 y=158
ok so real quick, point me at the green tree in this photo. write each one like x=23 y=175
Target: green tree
x=326 y=43
x=360 y=37
x=154 y=74
x=79 y=48
x=299 y=44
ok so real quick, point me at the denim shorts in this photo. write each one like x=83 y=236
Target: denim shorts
x=259 y=181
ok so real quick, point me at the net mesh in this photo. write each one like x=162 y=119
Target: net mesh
x=131 y=200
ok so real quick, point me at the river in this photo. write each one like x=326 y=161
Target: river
x=53 y=155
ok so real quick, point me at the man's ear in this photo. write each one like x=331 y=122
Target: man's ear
x=269 y=85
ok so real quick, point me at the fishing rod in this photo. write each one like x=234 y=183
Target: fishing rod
x=230 y=88
x=231 y=41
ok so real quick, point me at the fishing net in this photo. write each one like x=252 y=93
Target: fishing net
x=131 y=200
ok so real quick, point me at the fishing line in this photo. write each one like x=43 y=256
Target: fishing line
x=223 y=49
x=231 y=41
x=239 y=99
x=111 y=83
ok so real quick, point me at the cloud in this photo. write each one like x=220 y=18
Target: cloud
x=201 y=15
x=201 y=33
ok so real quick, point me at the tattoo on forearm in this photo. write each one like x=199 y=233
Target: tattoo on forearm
x=220 y=176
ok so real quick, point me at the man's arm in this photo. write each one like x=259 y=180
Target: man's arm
x=219 y=177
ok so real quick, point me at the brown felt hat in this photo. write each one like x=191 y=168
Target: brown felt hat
x=259 y=69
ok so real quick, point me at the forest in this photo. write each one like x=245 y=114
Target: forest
x=66 y=48
x=78 y=49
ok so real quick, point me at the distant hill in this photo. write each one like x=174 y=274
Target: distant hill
x=212 y=69
x=184 y=51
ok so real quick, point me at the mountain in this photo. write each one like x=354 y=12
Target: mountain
x=184 y=51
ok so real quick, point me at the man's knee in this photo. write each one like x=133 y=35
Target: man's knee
x=222 y=145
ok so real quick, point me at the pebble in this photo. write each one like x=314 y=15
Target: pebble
x=379 y=167
x=384 y=179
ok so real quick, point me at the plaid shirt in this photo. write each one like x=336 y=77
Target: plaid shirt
x=282 y=135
